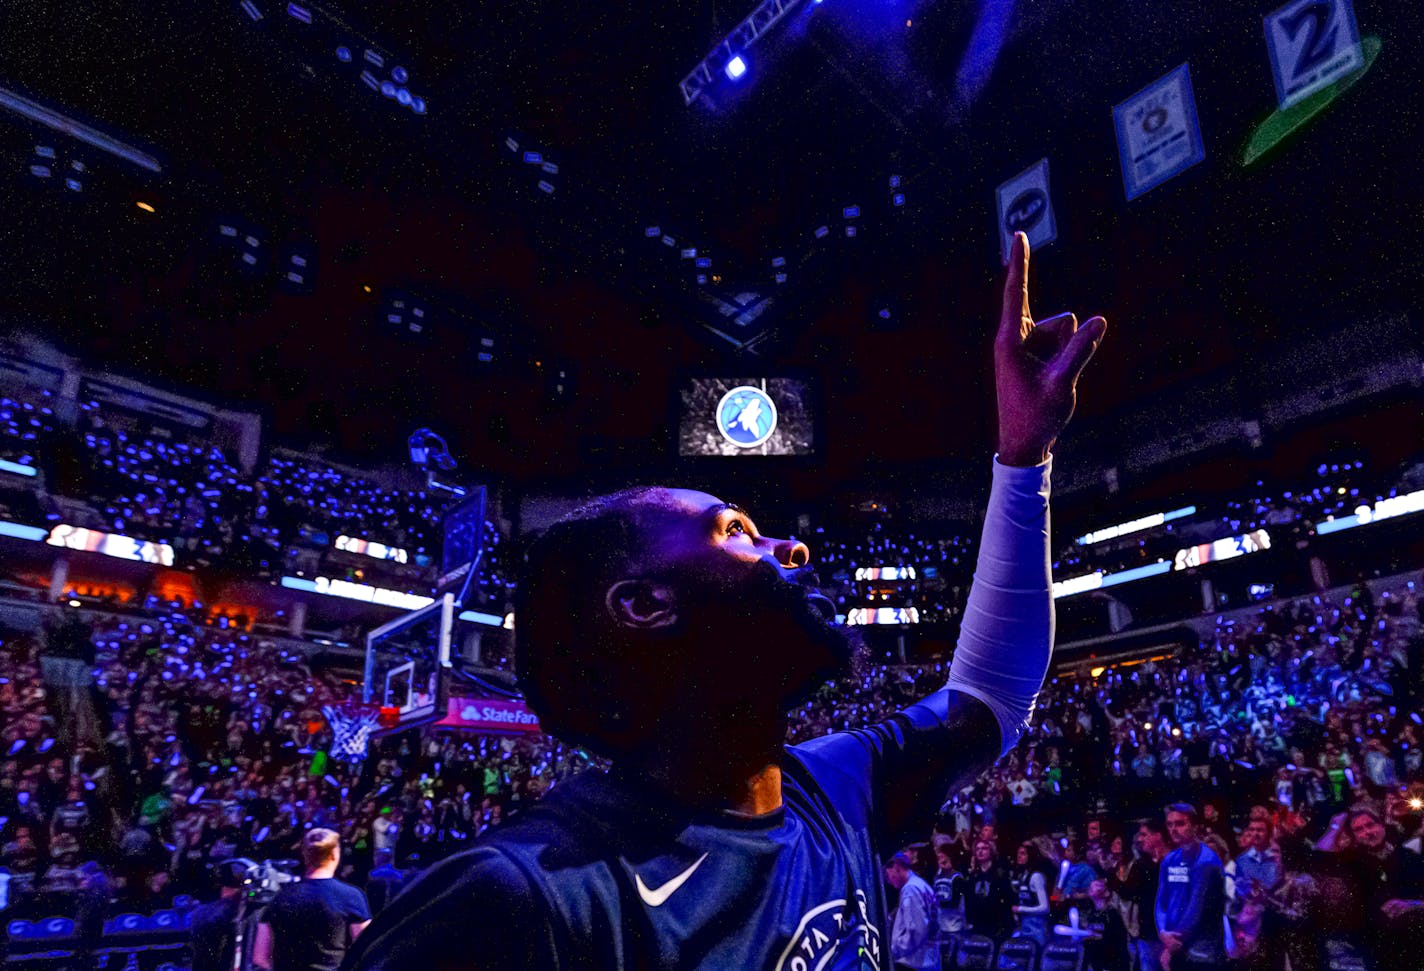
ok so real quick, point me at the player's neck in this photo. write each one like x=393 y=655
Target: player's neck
x=708 y=773
x=325 y=872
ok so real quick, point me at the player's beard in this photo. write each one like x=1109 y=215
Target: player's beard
x=764 y=630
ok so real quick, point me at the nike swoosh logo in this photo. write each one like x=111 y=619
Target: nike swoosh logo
x=658 y=897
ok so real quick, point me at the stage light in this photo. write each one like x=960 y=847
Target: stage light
x=44 y=151
x=777 y=262
x=369 y=80
x=144 y=206
x=898 y=198
x=399 y=75
x=343 y=54
x=652 y=232
x=388 y=89
x=366 y=287
x=40 y=171
x=417 y=105
x=403 y=96
x=73 y=185
x=894 y=182
x=546 y=187
x=851 y=212
x=250 y=8
x=550 y=167
x=704 y=262
x=690 y=253
x=297 y=12
x=822 y=232
x=373 y=58
x=736 y=67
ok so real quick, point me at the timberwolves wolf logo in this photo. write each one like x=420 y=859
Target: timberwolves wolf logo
x=746 y=416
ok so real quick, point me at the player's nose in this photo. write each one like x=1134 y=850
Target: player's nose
x=791 y=553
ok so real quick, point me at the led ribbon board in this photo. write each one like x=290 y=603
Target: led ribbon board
x=1384 y=509
x=110 y=544
x=379 y=551
x=882 y=615
x=885 y=573
x=1184 y=559
x=1134 y=526
x=383 y=596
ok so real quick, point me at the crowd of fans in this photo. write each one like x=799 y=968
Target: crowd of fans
x=208 y=745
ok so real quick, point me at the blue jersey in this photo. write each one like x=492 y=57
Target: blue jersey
x=603 y=873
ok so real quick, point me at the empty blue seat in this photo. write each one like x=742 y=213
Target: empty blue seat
x=1018 y=954
x=1062 y=956
x=976 y=953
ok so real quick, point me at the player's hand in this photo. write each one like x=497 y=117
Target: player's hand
x=1036 y=367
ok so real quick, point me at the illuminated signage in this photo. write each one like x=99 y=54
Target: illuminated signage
x=1384 y=509
x=32 y=533
x=386 y=598
x=1096 y=581
x=1135 y=526
x=489 y=715
x=1222 y=549
x=17 y=469
x=110 y=544
x=885 y=573
x=379 y=551
x=882 y=615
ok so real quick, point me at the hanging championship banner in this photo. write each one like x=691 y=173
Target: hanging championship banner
x=1158 y=136
x=1313 y=43
x=1024 y=207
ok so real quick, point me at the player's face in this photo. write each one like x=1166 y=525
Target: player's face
x=754 y=596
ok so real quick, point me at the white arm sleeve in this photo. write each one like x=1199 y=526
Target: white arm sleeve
x=1006 y=639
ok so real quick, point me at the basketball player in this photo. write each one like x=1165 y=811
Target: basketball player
x=659 y=628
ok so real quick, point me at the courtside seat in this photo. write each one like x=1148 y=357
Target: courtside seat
x=1062 y=956
x=50 y=938
x=1018 y=954
x=948 y=947
x=976 y=953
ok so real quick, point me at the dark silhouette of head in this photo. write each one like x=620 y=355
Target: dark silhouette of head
x=649 y=610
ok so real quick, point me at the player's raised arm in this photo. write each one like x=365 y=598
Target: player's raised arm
x=1007 y=635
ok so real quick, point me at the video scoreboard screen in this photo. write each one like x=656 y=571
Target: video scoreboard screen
x=739 y=416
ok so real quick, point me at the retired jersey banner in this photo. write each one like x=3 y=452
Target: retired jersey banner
x=1158 y=136
x=493 y=715
x=1024 y=207
x=1313 y=43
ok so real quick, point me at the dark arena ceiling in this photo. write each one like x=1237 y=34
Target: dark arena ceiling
x=258 y=125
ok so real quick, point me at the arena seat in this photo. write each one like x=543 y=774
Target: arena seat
x=50 y=938
x=1018 y=954
x=1062 y=956
x=948 y=947
x=976 y=953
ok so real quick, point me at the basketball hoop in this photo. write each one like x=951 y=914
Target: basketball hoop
x=389 y=716
x=352 y=723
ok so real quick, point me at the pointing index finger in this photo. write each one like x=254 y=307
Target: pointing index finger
x=1015 y=313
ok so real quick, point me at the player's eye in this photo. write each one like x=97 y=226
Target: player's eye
x=737 y=525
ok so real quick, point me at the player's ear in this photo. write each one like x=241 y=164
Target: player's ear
x=641 y=604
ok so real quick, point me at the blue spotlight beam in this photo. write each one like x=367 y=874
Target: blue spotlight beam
x=34 y=111
x=763 y=17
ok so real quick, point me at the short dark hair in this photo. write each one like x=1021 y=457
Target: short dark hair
x=560 y=631
x=1186 y=809
x=1153 y=826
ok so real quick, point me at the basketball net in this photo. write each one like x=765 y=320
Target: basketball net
x=351 y=726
